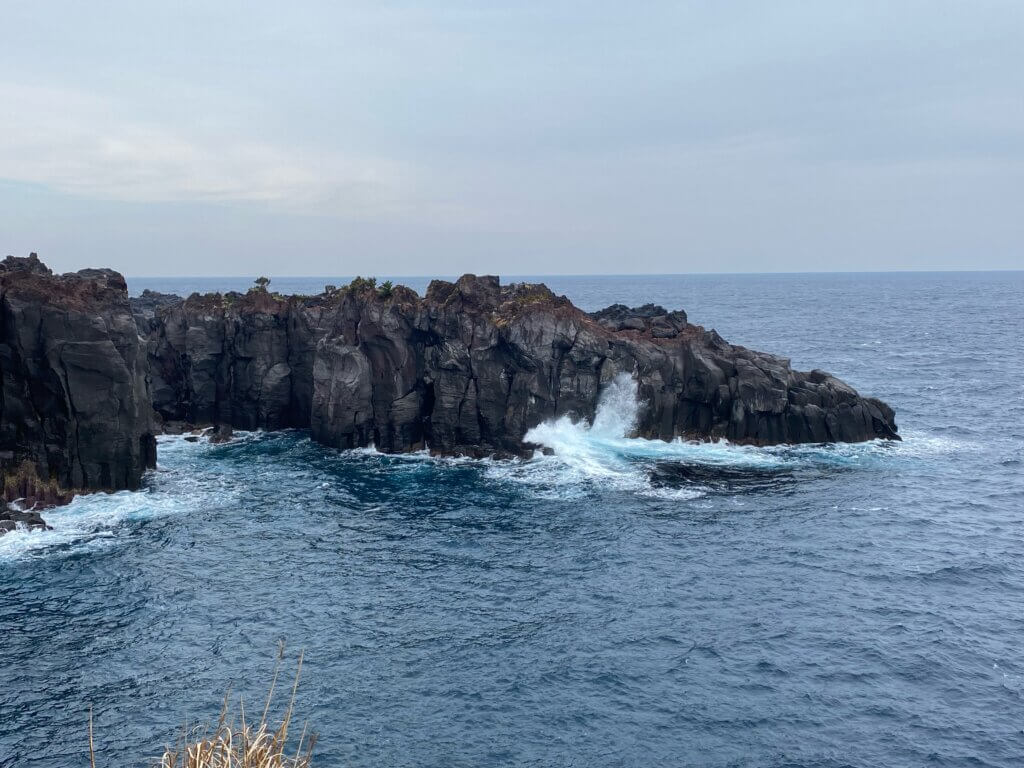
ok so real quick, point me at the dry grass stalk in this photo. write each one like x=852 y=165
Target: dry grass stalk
x=237 y=744
x=92 y=750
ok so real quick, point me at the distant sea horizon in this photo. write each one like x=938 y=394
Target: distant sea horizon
x=602 y=274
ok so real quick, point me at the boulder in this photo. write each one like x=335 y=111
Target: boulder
x=12 y=519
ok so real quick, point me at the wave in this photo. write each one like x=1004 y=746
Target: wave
x=88 y=522
x=581 y=460
x=91 y=520
x=587 y=458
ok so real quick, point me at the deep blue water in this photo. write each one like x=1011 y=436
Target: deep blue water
x=622 y=603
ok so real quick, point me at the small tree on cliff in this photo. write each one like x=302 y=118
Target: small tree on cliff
x=360 y=284
x=261 y=284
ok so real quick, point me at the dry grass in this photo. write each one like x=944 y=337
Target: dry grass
x=24 y=482
x=235 y=743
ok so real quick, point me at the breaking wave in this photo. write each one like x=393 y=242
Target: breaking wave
x=585 y=458
x=91 y=522
x=581 y=460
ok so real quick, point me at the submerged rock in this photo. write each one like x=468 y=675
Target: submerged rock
x=11 y=519
x=221 y=433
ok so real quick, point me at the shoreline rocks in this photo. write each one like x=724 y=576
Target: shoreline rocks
x=75 y=411
x=11 y=519
x=473 y=365
x=89 y=375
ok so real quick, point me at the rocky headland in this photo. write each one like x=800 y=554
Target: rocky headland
x=89 y=375
x=75 y=412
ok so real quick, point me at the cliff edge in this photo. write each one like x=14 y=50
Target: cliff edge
x=75 y=412
x=89 y=375
x=471 y=367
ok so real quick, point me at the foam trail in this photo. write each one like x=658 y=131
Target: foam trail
x=603 y=453
x=92 y=520
x=590 y=457
x=588 y=460
x=88 y=521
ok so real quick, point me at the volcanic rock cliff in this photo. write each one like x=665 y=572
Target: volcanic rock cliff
x=471 y=367
x=75 y=412
x=88 y=375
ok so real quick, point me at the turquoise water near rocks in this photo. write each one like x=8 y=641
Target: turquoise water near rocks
x=621 y=603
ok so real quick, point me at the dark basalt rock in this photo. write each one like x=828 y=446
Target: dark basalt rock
x=30 y=264
x=144 y=308
x=243 y=360
x=650 y=318
x=75 y=412
x=11 y=518
x=467 y=369
x=474 y=365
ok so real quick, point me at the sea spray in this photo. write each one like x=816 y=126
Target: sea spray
x=592 y=448
x=617 y=408
x=590 y=457
x=588 y=461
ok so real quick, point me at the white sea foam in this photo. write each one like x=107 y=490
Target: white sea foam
x=590 y=457
x=88 y=522
x=587 y=460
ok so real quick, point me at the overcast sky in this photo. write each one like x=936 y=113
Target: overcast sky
x=409 y=138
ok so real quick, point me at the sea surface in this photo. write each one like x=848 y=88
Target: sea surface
x=620 y=603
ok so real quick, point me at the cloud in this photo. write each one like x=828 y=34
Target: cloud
x=80 y=144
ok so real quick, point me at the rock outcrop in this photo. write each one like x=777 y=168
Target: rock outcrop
x=650 y=317
x=467 y=369
x=75 y=412
x=472 y=366
x=11 y=519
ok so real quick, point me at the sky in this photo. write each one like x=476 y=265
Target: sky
x=556 y=137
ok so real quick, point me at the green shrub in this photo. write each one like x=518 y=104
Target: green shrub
x=360 y=284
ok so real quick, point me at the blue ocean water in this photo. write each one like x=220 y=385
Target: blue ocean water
x=621 y=603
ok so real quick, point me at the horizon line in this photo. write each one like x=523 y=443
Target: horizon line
x=602 y=274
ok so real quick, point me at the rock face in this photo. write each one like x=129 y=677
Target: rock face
x=471 y=367
x=75 y=412
x=467 y=369
x=244 y=360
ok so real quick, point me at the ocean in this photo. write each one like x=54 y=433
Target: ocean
x=619 y=603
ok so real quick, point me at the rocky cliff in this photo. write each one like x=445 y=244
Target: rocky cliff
x=471 y=367
x=75 y=412
x=467 y=369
